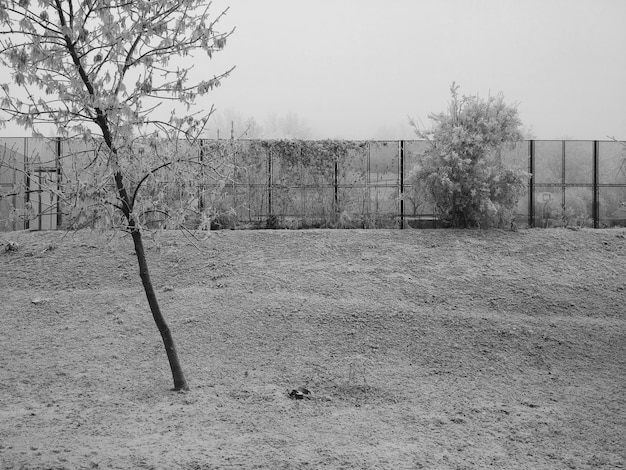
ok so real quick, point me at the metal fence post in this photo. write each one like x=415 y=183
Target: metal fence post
x=595 y=201
x=233 y=150
x=27 y=175
x=531 y=183
x=401 y=167
x=201 y=185
x=563 y=179
x=268 y=152
x=59 y=176
x=336 y=184
x=368 y=181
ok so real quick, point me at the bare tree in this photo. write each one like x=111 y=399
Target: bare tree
x=229 y=123
x=101 y=70
x=289 y=126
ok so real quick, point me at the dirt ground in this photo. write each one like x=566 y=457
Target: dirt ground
x=434 y=349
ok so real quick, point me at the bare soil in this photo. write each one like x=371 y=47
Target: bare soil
x=429 y=349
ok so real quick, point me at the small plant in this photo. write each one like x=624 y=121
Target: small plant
x=357 y=371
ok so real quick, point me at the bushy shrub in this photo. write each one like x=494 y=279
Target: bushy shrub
x=462 y=168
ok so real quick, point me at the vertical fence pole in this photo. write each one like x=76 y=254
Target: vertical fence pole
x=302 y=179
x=531 y=183
x=563 y=180
x=595 y=200
x=336 y=184
x=14 y=181
x=268 y=152
x=201 y=185
x=303 y=182
x=369 y=179
x=233 y=150
x=401 y=194
x=27 y=175
x=59 y=176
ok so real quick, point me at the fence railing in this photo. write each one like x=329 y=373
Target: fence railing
x=363 y=184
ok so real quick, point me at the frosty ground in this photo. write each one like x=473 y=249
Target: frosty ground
x=421 y=349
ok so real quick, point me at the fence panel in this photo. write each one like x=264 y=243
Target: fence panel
x=612 y=162
x=304 y=184
x=612 y=183
x=383 y=183
x=43 y=200
x=578 y=162
x=12 y=184
x=612 y=201
x=548 y=162
x=517 y=157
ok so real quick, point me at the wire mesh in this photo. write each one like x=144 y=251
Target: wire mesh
x=364 y=184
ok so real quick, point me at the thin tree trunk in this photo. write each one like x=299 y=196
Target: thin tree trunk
x=180 y=383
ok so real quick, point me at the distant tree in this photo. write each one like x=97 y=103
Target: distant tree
x=462 y=169
x=226 y=122
x=289 y=126
x=100 y=70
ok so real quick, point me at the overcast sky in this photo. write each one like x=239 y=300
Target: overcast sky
x=356 y=69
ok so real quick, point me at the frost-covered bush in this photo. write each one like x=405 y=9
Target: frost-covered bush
x=462 y=169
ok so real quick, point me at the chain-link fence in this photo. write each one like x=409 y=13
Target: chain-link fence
x=344 y=184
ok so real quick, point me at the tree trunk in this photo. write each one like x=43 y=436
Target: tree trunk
x=180 y=383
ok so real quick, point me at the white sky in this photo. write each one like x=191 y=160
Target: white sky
x=356 y=69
